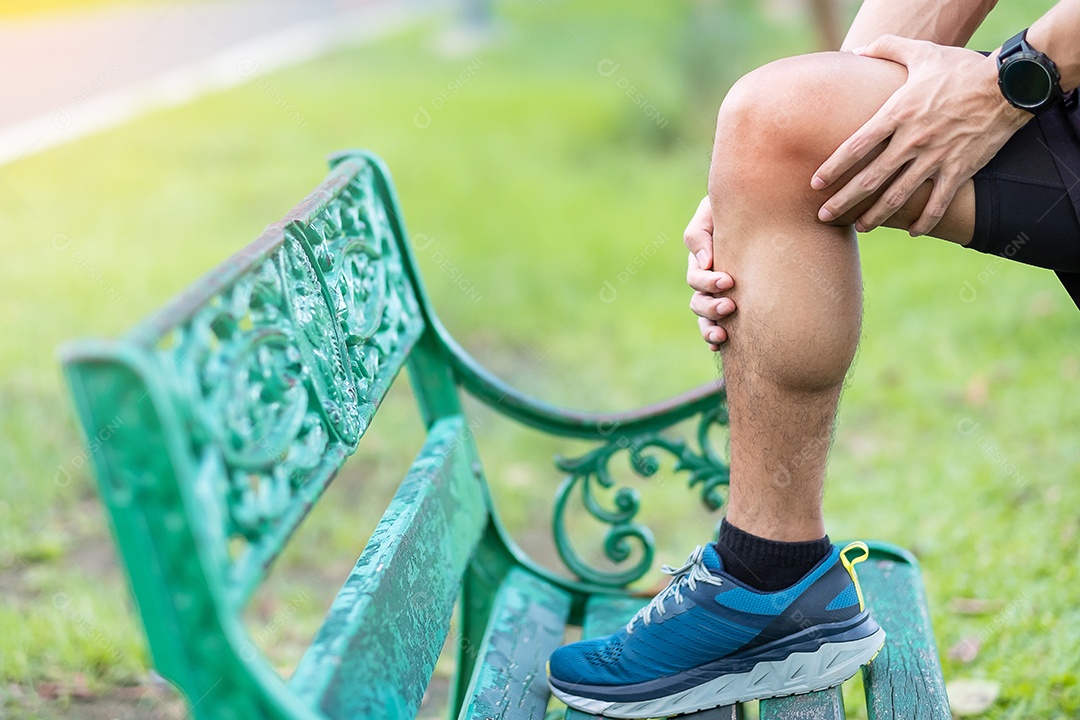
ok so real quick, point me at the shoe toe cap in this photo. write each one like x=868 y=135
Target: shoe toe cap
x=568 y=662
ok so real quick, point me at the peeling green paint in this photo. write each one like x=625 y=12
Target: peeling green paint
x=510 y=678
x=904 y=680
x=824 y=705
x=378 y=645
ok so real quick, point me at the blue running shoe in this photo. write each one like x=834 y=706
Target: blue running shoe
x=708 y=640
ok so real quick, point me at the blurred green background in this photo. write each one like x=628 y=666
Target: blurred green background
x=541 y=182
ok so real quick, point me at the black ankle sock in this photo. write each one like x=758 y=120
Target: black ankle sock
x=767 y=565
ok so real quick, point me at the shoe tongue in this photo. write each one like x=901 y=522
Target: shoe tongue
x=711 y=559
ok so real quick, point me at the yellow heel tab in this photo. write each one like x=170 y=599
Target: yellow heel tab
x=850 y=563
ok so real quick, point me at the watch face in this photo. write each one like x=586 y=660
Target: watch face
x=1026 y=82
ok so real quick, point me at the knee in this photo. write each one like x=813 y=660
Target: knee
x=765 y=116
x=768 y=125
x=778 y=123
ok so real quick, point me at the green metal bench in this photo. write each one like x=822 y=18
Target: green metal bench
x=216 y=424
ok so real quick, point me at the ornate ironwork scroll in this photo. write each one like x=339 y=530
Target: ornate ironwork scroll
x=293 y=357
x=590 y=475
x=353 y=246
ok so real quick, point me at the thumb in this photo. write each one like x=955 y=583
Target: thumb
x=698 y=235
x=887 y=47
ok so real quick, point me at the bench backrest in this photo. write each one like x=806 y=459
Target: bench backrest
x=216 y=424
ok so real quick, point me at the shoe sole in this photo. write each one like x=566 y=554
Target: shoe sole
x=797 y=674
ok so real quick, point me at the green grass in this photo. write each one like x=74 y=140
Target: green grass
x=539 y=180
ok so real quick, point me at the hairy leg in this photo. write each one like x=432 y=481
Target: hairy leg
x=799 y=287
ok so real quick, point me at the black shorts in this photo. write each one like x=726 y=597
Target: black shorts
x=1027 y=198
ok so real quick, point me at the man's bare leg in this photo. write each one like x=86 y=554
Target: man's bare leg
x=799 y=299
x=799 y=288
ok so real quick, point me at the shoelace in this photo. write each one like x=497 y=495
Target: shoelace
x=690 y=574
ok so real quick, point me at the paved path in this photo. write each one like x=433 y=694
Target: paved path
x=63 y=76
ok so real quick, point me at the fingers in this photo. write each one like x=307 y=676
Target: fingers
x=945 y=189
x=698 y=235
x=874 y=131
x=895 y=196
x=706 y=281
x=710 y=307
x=712 y=333
x=699 y=275
x=863 y=141
x=864 y=184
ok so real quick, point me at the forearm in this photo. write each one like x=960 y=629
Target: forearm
x=944 y=23
x=1055 y=34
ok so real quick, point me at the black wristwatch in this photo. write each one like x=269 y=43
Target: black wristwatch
x=1028 y=79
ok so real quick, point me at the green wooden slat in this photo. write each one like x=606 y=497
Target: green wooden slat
x=905 y=680
x=374 y=655
x=479 y=588
x=823 y=705
x=605 y=614
x=727 y=712
x=510 y=678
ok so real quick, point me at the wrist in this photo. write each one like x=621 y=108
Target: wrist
x=1041 y=37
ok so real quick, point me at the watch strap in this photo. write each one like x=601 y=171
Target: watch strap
x=1013 y=45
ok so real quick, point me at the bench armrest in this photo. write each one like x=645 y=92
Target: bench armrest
x=638 y=435
x=495 y=393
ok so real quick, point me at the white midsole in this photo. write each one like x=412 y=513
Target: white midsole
x=801 y=672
